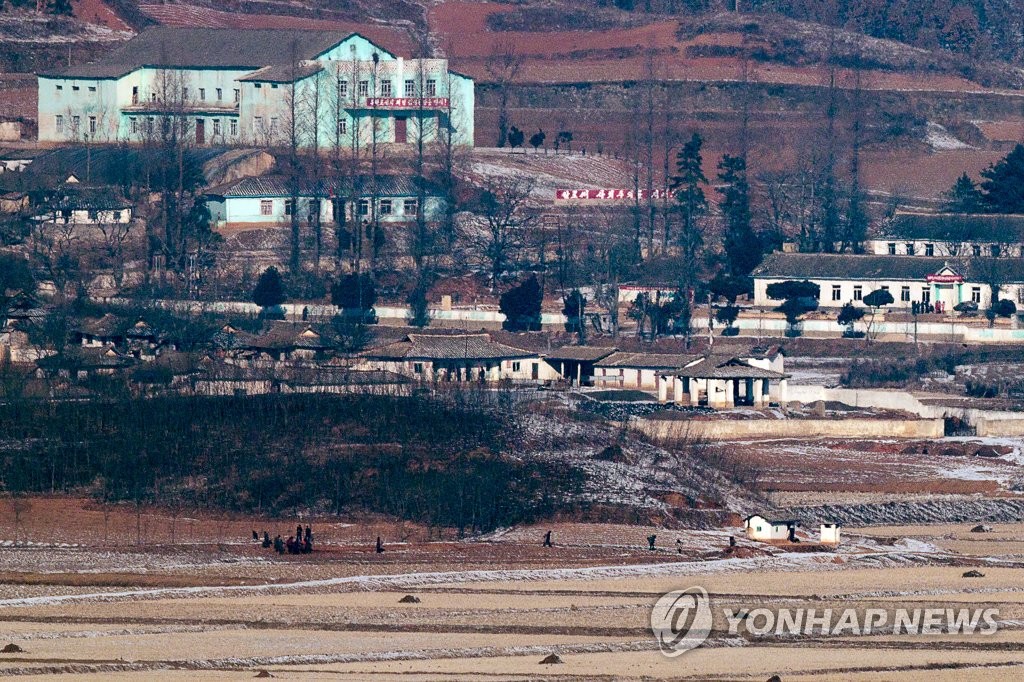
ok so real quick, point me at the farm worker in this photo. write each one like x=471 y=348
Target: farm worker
x=650 y=539
x=547 y=539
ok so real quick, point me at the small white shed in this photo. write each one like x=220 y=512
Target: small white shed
x=830 y=533
x=760 y=528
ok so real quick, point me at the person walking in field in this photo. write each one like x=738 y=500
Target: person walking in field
x=380 y=546
x=547 y=539
x=650 y=540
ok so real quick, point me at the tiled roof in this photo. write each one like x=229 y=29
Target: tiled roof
x=283 y=73
x=647 y=360
x=579 y=353
x=866 y=267
x=733 y=368
x=277 y=186
x=956 y=227
x=208 y=47
x=447 y=347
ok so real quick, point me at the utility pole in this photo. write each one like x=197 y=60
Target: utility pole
x=711 y=335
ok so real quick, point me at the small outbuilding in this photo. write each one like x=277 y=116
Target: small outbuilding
x=830 y=533
x=765 y=530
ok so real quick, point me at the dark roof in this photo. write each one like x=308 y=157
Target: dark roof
x=447 y=347
x=277 y=186
x=647 y=360
x=955 y=227
x=731 y=368
x=283 y=73
x=111 y=164
x=579 y=353
x=208 y=48
x=855 y=267
x=76 y=197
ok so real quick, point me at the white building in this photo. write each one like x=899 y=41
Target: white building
x=458 y=358
x=950 y=235
x=759 y=528
x=941 y=282
x=637 y=370
x=830 y=533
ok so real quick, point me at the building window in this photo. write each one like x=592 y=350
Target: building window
x=342 y=88
x=273 y=124
x=929 y=249
x=135 y=94
x=410 y=88
x=258 y=86
x=837 y=292
x=92 y=88
x=409 y=206
x=905 y=294
x=233 y=126
x=59 y=123
x=202 y=94
x=858 y=293
x=257 y=124
x=152 y=97
x=76 y=123
x=288 y=206
x=386 y=207
x=92 y=125
x=417 y=367
x=266 y=207
x=117 y=216
x=273 y=86
x=364 y=88
x=976 y=294
x=385 y=88
x=134 y=125
x=516 y=366
x=910 y=248
x=994 y=250
x=1020 y=294
x=892 y=248
x=926 y=295
x=220 y=94
x=431 y=87
x=238 y=95
x=342 y=127
x=93 y=214
x=75 y=88
x=60 y=88
x=976 y=250
x=216 y=126
x=149 y=125
x=364 y=207
x=184 y=94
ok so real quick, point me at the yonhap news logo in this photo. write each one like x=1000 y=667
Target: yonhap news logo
x=681 y=620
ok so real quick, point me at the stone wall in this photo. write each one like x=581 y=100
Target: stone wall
x=754 y=429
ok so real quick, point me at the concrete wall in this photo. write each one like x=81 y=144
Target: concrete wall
x=755 y=429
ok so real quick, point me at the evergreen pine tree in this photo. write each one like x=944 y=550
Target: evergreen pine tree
x=742 y=248
x=1003 y=184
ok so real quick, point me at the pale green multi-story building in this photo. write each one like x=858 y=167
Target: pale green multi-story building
x=320 y=89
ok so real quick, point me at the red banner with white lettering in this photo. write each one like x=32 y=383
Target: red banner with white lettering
x=608 y=194
x=407 y=102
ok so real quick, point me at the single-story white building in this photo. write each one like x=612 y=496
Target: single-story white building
x=637 y=370
x=458 y=357
x=830 y=533
x=940 y=282
x=76 y=205
x=949 y=235
x=762 y=529
x=268 y=201
x=723 y=383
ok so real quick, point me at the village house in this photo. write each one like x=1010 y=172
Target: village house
x=13 y=202
x=458 y=357
x=233 y=87
x=830 y=533
x=575 y=364
x=280 y=342
x=949 y=235
x=268 y=201
x=74 y=205
x=940 y=282
x=637 y=370
x=761 y=529
x=723 y=383
x=22 y=313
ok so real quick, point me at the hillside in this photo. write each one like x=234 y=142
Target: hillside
x=935 y=106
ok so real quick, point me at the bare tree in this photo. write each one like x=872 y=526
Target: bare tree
x=503 y=66
x=502 y=219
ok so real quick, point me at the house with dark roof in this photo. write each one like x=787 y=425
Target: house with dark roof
x=575 y=364
x=269 y=200
x=458 y=358
x=949 y=235
x=236 y=86
x=72 y=204
x=723 y=382
x=637 y=370
x=939 y=282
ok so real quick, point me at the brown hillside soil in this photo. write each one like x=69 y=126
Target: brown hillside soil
x=97 y=12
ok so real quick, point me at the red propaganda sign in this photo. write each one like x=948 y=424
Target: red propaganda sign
x=945 y=279
x=407 y=102
x=607 y=194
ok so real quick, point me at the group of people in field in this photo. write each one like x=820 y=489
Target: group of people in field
x=300 y=543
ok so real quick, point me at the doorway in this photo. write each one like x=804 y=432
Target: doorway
x=200 y=131
x=401 y=128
